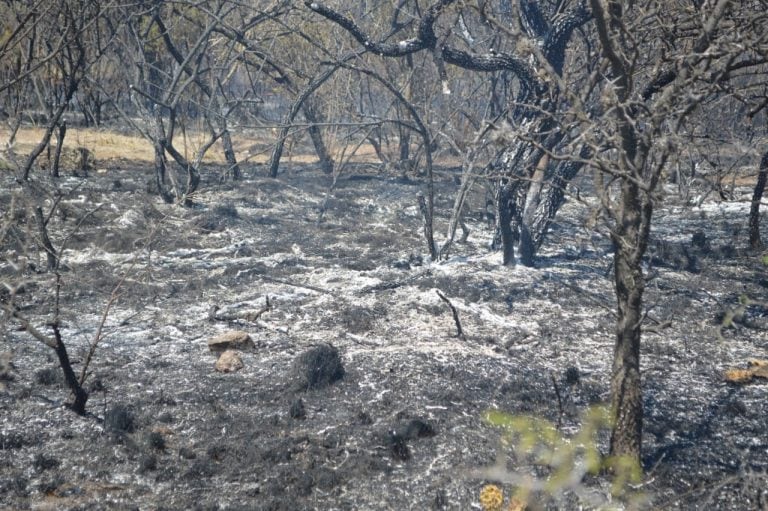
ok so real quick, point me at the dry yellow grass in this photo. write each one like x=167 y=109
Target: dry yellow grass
x=108 y=145
x=105 y=145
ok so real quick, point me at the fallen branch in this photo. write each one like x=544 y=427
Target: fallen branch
x=251 y=316
x=459 y=330
x=384 y=286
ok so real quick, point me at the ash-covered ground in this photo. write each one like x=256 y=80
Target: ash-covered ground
x=404 y=427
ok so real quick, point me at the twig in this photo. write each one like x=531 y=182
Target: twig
x=459 y=330
x=383 y=286
x=28 y=326
x=98 y=335
x=113 y=297
x=656 y=329
x=254 y=316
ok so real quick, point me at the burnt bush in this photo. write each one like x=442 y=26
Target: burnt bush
x=317 y=367
x=120 y=419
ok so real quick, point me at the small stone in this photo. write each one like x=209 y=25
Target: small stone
x=364 y=418
x=156 y=440
x=187 y=453
x=229 y=362
x=232 y=340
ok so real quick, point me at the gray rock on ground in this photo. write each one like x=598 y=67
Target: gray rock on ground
x=231 y=340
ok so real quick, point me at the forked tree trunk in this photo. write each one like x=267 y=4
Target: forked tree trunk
x=51 y=256
x=160 y=172
x=754 y=212
x=59 y=147
x=316 y=135
x=528 y=247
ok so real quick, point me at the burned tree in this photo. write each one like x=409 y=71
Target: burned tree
x=653 y=82
x=757 y=196
x=529 y=192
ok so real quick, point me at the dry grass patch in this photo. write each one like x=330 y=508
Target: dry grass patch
x=106 y=145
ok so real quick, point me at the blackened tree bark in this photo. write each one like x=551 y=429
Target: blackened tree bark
x=314 y=118
x=59 y=147
x=79 y=394
x=754 y=211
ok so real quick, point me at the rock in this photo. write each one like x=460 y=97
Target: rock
x=147 y=463
x=232 y=340
x=317 y=367
x=229 y=362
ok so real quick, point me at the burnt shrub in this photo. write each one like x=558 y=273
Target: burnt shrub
x=148 y=463
x=42 y=463
x=120 y=419
x=156 y=440
x=48 y=376
x=317 y=367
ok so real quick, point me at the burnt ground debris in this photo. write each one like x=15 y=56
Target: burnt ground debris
x=403 y=427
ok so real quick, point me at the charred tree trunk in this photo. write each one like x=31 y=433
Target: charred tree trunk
x=192 y=175
x=626 y=391
x=160 y=172
x=316 y=135
x=233 y=168
x=404 y=153
x=426 y=215
x=754 y=212
x=59 y=147
x=506 y=209
x=158 y=145
x=52 y=257
x=79 y=394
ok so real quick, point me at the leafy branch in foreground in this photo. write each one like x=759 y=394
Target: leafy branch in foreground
x=563 y=461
